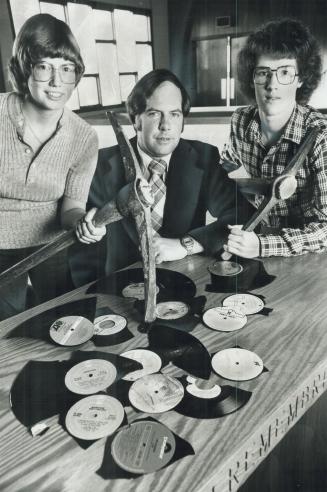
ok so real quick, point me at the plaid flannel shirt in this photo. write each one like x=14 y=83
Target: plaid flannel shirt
x=300 y=221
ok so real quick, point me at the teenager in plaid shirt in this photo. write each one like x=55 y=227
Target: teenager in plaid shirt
x=279 y=68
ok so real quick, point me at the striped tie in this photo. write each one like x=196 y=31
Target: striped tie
x=157 y=171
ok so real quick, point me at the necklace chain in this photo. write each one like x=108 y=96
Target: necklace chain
x=31 y=128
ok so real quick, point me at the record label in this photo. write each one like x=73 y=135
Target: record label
x=244 y=303
x=225 y=268
x=237 y=364
x=150 y=361
x=224 y=319
x=71 y=330
x=90 y=376
x=156 y=393
x=207 y=393
x=109 y=324
x=143 y=447
x=94 y=417
x=171 y=309
x=136 y=291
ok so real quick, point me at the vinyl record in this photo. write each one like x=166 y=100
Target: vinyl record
x=143 y=447
x=90 y=376
x=202 y=405
x=109 y=324
x=136 y=291
x=94 y=417
x=224 y=319
x=171 y=310
x=237 y=364
x=207 y=392
x=71 y=330
x=225 y=268
x=244 y=303
x=38 y=326
x=156 y=393
x=150 y=361
x=238 y=275
x=171 y=284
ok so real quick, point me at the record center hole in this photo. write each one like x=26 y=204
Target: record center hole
x=90 y=375
x=95 y=415
x=236 y=363
x=156 y=391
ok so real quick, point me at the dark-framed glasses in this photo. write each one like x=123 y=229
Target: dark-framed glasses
x=43 y=71
x=285 y=74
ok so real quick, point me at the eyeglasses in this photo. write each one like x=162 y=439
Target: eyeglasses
x=285 y=75
x=43 y=71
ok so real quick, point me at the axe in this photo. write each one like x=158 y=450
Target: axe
x=138 y=205
x=280 y=188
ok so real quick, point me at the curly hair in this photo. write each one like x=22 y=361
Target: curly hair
x=42 y=36
x=282 y=38
x=145 y=87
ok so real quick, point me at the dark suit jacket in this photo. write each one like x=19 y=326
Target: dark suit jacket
x=196 y=183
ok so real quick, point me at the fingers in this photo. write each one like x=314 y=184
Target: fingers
x=243 y=243
x=236 y=229
x=86 y=231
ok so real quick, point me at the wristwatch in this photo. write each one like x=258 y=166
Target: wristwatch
x=187 y=242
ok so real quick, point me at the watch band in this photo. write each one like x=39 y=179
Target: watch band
x=187 y=242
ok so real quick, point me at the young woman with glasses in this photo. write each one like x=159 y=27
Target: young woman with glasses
x=47 y=156
x=278 y=69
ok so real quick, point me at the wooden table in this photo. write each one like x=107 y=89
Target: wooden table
x=292 y=342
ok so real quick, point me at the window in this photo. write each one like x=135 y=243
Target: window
x=115 y=45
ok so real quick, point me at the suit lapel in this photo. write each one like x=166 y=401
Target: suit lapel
x=183 y=187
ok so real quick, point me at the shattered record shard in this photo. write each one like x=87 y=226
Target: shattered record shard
x=205 y=404
x=170 y=284
x=182 y=349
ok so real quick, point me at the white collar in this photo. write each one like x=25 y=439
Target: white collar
x=146 y=159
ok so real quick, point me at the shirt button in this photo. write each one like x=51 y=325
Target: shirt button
x=20 y=123
x=27 y=151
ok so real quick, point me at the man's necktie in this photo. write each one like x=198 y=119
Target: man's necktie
x=157 y=171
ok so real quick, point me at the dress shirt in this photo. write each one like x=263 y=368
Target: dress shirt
x=146 y=159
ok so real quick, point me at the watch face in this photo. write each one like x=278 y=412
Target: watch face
x=188 y=242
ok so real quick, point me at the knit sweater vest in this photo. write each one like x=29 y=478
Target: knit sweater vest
x=32 y=185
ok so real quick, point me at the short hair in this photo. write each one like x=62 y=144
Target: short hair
x=145 y=87
x=282 y=38
x=42 y=36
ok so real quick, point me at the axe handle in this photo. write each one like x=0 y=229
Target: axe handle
x=106 y=215
x=256 y=218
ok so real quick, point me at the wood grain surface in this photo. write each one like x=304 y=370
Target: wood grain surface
x=291 y=341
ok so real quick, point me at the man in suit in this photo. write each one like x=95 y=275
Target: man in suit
x=185 y=178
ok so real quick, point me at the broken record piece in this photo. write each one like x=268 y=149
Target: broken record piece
x=141 y=447
x=150 y=361
x=182 y=349
x=155 y=393
x=238 y=275
x=183 y=315
x=210 y=403
x=110 y=328
x=170 y=284
x=39 y=390
x=38 y=326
